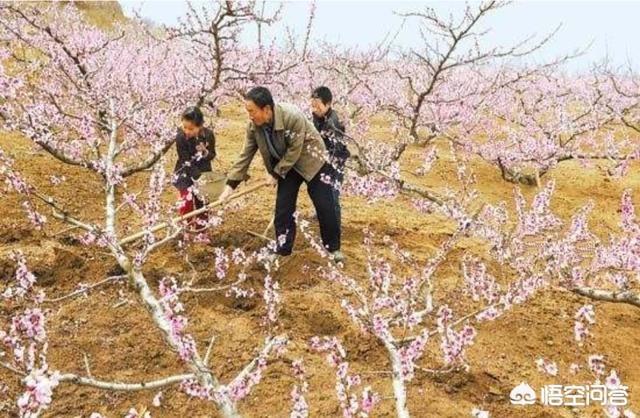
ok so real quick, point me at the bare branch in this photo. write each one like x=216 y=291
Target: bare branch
x=620 y=296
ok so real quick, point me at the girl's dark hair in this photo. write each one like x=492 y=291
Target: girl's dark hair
x=193 y=114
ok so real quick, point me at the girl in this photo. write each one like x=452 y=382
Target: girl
x=196 y=146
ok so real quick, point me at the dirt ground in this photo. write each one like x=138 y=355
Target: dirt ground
x=121 y=342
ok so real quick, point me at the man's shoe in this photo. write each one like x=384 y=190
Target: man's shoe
x=337 y=257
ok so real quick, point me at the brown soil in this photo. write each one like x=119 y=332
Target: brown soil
x=122 y=343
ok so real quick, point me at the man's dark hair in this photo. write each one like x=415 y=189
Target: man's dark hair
x=193 y=114
x=324 y=94
x=261 y=96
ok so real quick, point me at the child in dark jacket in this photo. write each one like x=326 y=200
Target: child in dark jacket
x=196 y=147
x=328 y=124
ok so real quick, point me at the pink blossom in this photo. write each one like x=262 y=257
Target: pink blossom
x=172 y=307
x=479 y=283
x=349 y=403
x=585 y=316
x=300 y=407
x=596 y=364
x=478 y=413
x=157 y=399
x=272 y=299
x=547 y=367
x=29 y=325
x=24 y=278
x=39 y=386
x=133 y=413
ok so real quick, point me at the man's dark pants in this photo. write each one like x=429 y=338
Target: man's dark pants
x=338 y=178
x=323 y=198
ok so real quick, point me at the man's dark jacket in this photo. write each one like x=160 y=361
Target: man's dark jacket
x=332 y=132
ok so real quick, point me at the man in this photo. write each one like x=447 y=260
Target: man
x=293 y=153
x=326 y=121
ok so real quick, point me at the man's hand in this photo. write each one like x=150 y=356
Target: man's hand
x=271 y=180
x=228 y=191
